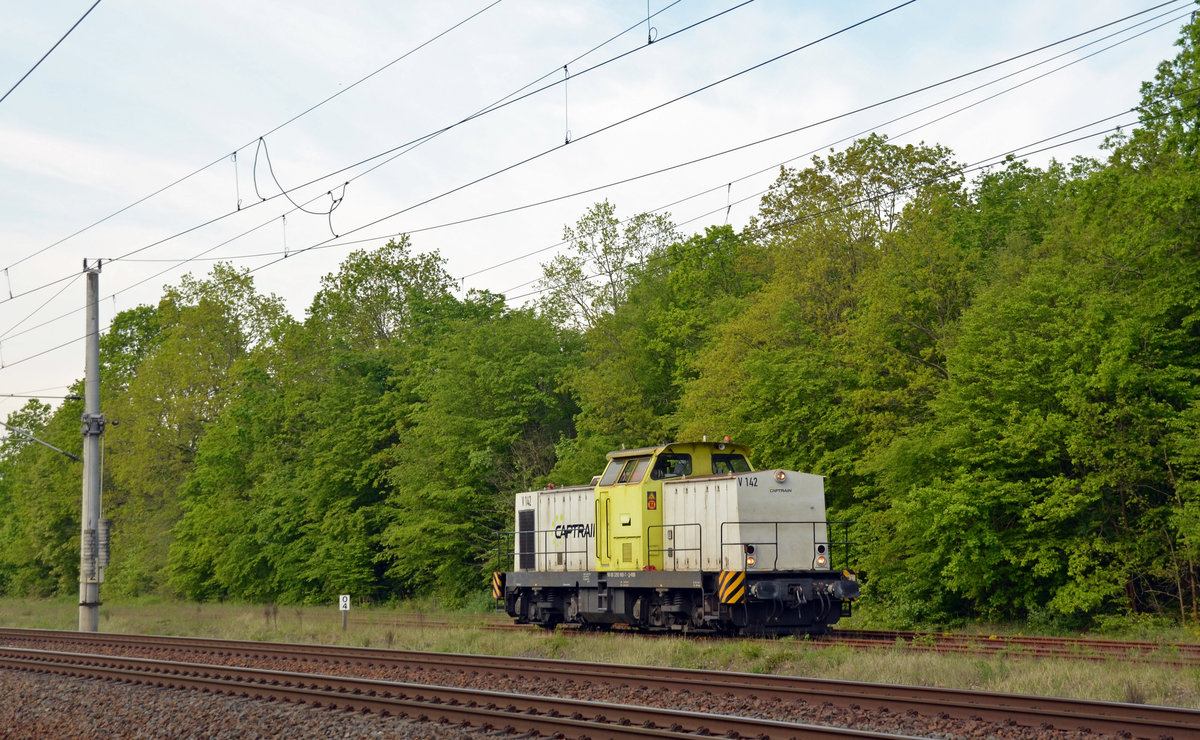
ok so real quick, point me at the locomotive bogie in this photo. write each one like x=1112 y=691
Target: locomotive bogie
x=658 y=601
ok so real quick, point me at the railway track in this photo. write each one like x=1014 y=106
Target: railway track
x=1017 y=646
x=1182 y=654
x=487 y=710
x=1128 y=720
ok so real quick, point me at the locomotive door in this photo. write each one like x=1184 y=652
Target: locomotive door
x=603 y=530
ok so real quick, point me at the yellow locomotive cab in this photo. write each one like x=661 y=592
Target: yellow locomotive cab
x=629 y=519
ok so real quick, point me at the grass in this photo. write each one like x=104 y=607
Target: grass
x=1112 y=680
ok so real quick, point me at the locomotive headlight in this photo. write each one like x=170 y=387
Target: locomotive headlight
x=822 y=561
x=780 y=476
x=750 y=561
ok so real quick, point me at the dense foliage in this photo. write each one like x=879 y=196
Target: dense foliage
x=1000 y=377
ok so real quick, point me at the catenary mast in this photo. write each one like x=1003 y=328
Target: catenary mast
x=93 y=555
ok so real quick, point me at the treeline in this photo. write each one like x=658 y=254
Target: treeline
x=998 y=373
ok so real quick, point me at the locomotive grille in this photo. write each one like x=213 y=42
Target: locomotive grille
x=525 y=540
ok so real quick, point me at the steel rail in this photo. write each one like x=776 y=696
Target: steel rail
x=1014 y=646
x=1083 y=648
x=474 y=707
x=1062 y=713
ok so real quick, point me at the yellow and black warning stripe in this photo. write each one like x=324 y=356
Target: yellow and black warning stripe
x=731 y=586
x=497 y=585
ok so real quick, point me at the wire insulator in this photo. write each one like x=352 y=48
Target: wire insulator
x=237 y=186
x=566 y=107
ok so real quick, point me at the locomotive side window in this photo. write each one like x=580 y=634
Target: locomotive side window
x=672 y=465
x=730 y=464
x=611 y=472
x=634 y=470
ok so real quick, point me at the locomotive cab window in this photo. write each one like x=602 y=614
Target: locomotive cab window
x=634 y=470
x=730 y=464
x=672 y=465
x=611 y=472
x=628 y=470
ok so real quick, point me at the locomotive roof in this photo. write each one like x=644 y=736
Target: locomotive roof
x=715 y=446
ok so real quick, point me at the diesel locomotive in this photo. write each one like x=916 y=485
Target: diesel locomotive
x=682 y=536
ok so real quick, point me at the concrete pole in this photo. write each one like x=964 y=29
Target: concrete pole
x=90 y=573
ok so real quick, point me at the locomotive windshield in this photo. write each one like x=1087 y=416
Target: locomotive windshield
x=629 y=470
x=730 y=464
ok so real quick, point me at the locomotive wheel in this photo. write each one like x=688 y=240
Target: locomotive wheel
x=656 y=616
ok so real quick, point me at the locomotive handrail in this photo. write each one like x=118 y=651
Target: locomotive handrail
x=774 y=543
x=839 y=545
x=699 y=548
x=542 y=554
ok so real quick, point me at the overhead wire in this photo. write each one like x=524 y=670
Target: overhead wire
x=399 y=150
x=223 y=157
x=957 y=77
x=678 y=165
x=52 y=48
x=607 y=127
x=325 y=243
x=981 y=164
x=300 y=206
x=177 y=262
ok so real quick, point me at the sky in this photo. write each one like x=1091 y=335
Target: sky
x=204 y=98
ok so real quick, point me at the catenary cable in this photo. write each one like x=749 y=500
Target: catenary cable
x=321 y=244
x=953 y=171
x=148 y=278
x=52 y=48
x=585 y=191
x=224 y=156
x=607 y=127
x=741 y=200
x=402 y=148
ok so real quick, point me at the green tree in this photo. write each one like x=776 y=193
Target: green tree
x=181 y=387
x=40 y=502
x=289 y=496
x=638 y=357
x=591 y=280
x=484 y=412
x=781 y=374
